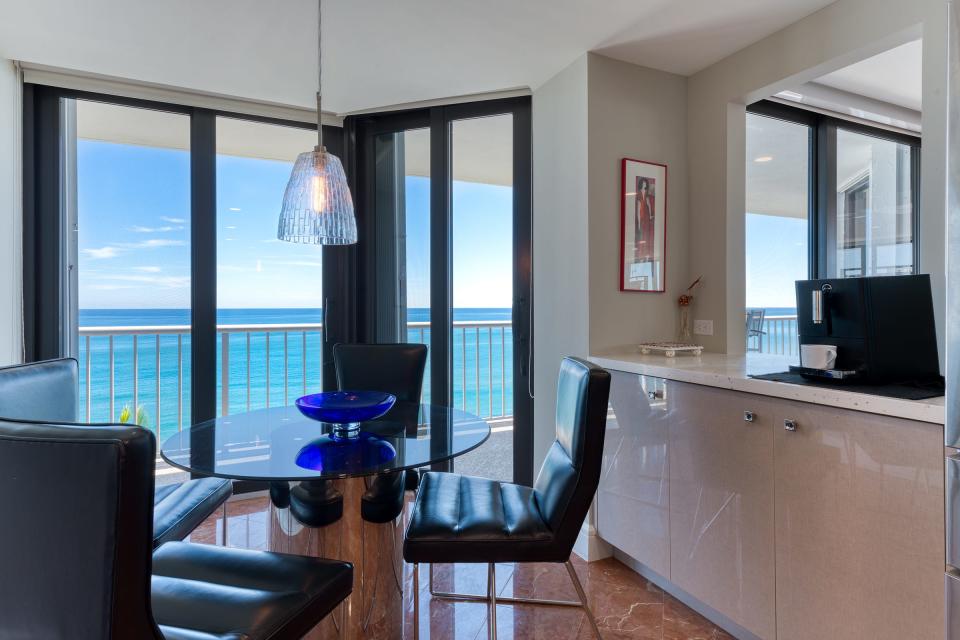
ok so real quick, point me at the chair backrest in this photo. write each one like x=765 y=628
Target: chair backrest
x=45 y=391
x=570 y=473
x=393 y=368
x=75 y=543
x=755 y=320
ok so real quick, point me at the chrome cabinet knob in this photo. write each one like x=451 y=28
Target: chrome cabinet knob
x=790 y=425
x=748 y=416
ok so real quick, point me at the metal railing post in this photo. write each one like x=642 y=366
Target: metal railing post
x=225 y=373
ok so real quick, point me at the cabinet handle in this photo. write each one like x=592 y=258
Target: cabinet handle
x=790 y=425
x=655 y=395
x=748 y=416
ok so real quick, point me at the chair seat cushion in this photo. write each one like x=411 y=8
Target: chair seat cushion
x=465 y=519
x=179 y=508
x=202 y=592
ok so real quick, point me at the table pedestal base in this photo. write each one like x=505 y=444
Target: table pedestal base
x=374 y=610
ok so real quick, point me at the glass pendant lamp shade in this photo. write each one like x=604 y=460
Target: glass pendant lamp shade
x=317 y=206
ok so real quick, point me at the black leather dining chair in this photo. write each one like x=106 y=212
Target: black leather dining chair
x=394 y=368
x=76 y=553
x=474 y=520
x=48 y=391
x=397 y=369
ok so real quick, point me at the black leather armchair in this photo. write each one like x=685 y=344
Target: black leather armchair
x=462 y=519
x=76 y=553
x=48 y=392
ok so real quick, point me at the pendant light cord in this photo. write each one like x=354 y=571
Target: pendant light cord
x=319 y=74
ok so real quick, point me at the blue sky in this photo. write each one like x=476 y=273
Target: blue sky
x=134 y=239
x=776 y=249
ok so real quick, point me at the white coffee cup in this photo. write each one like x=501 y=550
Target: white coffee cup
x=818 y=356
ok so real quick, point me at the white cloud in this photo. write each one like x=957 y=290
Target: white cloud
x=140 y=229
x=110 y=287
x=165 y=282
x=148 y=269
x=173 y=220
x=259 y=266
x=101 y=253
x=154 y=243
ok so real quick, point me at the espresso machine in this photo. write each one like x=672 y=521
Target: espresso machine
x=881 y=328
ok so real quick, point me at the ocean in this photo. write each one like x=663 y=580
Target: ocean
x=483 y=356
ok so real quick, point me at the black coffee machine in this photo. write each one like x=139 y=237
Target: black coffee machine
x=882 y=326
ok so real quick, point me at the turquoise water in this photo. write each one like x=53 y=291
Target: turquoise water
x=492 y=359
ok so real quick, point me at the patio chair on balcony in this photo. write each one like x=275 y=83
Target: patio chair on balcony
x=48 y=391
x=755 y=331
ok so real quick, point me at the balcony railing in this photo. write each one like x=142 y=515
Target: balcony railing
x=780 y=336
x=147 y=368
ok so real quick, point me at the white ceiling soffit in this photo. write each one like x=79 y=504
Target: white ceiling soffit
x=378 y=53
x=777 y=161
x=883 y=90
x=894 y=77
x=144 y=127
x=482 y=147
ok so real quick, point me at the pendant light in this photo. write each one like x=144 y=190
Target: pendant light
x=317 y=206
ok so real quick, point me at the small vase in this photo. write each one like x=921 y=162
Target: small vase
x=685 y=334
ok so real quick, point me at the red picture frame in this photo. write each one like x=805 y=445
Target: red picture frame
x=643 y=226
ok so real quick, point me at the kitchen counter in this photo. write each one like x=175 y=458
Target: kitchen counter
x=732 y=372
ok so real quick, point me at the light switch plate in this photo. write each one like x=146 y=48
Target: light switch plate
x=703 y=327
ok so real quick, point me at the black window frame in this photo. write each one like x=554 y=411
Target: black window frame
x=360 y=131
x=822 y=172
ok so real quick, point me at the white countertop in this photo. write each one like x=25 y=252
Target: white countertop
x=732 y=372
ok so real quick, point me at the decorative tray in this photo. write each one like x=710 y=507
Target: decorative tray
x=669 y=349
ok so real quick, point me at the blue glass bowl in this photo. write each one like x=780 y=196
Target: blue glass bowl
x=344 y=407
x=333 y=455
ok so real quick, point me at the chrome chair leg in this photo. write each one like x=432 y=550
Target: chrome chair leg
x=492 y=598
x=223 y=532
x=583 y=598
x=416 y=601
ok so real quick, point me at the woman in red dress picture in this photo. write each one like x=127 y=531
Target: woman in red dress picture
x=643 y=221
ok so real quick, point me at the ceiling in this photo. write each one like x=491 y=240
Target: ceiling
x=378 y=53
x=776 y=151
x=482 y=147
x=893 y=76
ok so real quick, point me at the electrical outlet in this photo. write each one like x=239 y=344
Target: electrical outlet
x=703 y=327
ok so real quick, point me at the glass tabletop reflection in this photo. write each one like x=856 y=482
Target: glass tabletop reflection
x=280 y=443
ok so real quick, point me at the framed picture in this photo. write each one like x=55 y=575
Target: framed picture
x=643 y=226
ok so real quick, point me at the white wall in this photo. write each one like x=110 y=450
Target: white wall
x=839 y=35
x=585 y=120
x=10 y=220
x=633 y=112
x=560 y=233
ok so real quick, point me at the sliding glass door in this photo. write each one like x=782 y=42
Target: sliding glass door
x=269 y=293
x=150 y=255
x=127 y=182
x=445 y=240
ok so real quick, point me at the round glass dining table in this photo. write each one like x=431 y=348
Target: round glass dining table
x=334 y=497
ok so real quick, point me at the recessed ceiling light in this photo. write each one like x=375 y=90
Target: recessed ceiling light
x=763 y=159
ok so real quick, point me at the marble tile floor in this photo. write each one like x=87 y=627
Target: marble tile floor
x=626 y=605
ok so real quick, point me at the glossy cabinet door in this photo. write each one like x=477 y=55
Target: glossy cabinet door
x=632 y=499
x=721 y=502
x=859 y=526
